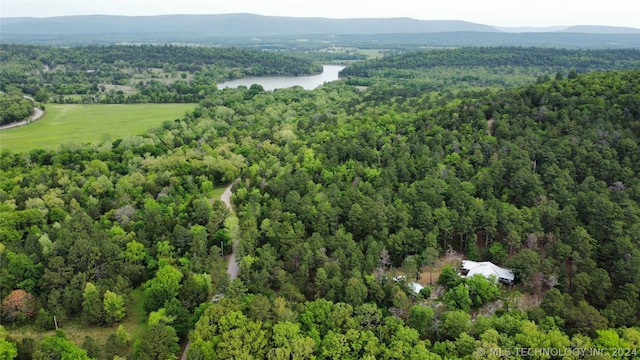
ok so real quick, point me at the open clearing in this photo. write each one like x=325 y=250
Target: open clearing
x=87 y=123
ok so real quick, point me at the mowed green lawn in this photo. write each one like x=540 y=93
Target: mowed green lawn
x=89 y=123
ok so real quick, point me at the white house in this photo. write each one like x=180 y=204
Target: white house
x=487 y=269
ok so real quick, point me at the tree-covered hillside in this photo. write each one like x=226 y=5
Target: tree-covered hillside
x=440 y=69
x=135 y=74
x=346 y=196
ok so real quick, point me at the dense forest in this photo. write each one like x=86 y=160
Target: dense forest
x=551 y=59
x=347 y=196
x=486 y=67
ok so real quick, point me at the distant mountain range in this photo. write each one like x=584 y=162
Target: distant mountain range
x=229 y=25
x=243 y=25
x=276 y=32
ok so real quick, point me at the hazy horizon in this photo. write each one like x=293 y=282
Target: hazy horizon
x=501 y=13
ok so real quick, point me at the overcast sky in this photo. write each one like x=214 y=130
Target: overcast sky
x=490 y=12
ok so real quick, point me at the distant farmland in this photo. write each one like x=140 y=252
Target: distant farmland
x=89 y=123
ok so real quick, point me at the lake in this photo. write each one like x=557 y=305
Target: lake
x=308 y=82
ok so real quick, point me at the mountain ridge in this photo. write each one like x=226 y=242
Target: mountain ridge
x=241 y=24
x=245 y=24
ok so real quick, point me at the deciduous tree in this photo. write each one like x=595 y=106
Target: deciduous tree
x=114 y=309
x=19 y=305
x=163 y=287
x=92 y=307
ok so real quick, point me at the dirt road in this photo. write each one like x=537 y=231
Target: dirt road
x=37 y=114
x=232 y=267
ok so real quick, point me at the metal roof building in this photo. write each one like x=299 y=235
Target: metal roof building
x=487 y=269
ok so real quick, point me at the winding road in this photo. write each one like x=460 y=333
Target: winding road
x=232 y=267
x=37 y=114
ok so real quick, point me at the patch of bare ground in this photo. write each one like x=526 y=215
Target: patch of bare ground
x=513 y=299
x=528 y=301
x=429 y=274
x=489 y=126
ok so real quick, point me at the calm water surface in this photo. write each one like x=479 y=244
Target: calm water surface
x=308 y=82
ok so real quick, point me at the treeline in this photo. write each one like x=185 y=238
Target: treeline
x=495 y=67
x=181 y=58
x=155 y=73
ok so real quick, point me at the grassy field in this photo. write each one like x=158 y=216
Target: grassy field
x=89 y=123
x=371 y=53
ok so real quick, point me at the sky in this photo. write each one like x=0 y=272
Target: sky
x=490 y=12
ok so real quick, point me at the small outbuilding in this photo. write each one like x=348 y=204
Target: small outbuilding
x=414 y=286
x=487 y=269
